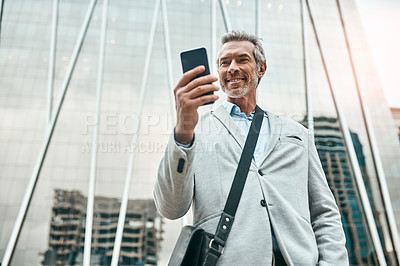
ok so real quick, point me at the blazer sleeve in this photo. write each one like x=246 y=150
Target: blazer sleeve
x=174 y=186
x=325 y=216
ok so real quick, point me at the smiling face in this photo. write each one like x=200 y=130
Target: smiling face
x=237 y=68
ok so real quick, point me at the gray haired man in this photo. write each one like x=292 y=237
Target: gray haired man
x=287 y=214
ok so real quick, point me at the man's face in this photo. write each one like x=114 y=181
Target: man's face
x=237 y=68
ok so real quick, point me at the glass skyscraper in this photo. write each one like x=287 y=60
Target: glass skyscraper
x=332 y=152
x=116 y=156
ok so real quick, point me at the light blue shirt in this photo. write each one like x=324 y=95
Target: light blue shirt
x=243 y=122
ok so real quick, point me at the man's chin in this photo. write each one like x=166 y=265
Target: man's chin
x=236 y=93
x=235 y=96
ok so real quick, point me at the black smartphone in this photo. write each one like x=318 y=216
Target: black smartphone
x=193 y=58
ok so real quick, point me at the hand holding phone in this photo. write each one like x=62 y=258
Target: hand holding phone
x=194 y=58
x=194 y=89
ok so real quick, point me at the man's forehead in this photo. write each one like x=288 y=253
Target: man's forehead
x=237 y=48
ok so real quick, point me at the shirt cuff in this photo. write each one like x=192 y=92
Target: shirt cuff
x=187 y=146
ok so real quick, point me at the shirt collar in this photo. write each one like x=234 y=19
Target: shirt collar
x=234 y=110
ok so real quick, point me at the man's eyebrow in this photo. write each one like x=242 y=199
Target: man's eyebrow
x=240 y=55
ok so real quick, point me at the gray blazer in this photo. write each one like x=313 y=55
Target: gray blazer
x=300 y=206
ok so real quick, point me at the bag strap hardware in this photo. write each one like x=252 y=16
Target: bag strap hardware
x=210 y=246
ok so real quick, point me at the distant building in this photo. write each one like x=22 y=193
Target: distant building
x=396 y=117
x=140 y=240
x=332 y=151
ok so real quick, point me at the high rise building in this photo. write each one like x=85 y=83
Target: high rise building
x=141 y=236
x=118 y=157
x=334 y=158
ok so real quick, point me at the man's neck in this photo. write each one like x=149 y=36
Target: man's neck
x=247 y=103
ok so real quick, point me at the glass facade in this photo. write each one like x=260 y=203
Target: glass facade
x=332 y=152
x=24 y=61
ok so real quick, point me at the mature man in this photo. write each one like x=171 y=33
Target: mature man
x=286 y=208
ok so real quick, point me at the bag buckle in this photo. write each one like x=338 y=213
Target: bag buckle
x=210 y=246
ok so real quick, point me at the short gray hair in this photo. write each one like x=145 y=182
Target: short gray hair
x=240 y=35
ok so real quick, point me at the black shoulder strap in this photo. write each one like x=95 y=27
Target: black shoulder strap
x=217 y=244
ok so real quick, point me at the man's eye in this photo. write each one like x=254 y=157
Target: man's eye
x=224 y=63
x=244 y=60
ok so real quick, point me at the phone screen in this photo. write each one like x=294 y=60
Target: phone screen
x=193 y=58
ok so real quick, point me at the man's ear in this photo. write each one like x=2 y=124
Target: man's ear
x=262 y=69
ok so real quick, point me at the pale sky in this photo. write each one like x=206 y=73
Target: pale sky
x=381 y=20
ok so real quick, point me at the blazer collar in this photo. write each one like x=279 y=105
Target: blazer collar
x=227 y=121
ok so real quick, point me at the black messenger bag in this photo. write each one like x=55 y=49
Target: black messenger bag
x=191 y=247
x=196 y=247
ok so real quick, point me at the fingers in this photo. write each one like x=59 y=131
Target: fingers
x=199 y=101
x=189 y=75
x=196 y=87
x=189 y=106
x=195 y=97
x=200 y=81
x=189 y=89
x=200 y=90
x=187 y=83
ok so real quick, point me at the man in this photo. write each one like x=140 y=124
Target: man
x=286 y=208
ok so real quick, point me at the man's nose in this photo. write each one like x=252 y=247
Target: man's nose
x=233 y=67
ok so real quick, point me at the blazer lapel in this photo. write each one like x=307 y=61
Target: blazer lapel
x=227 y=121
x=275 y=129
